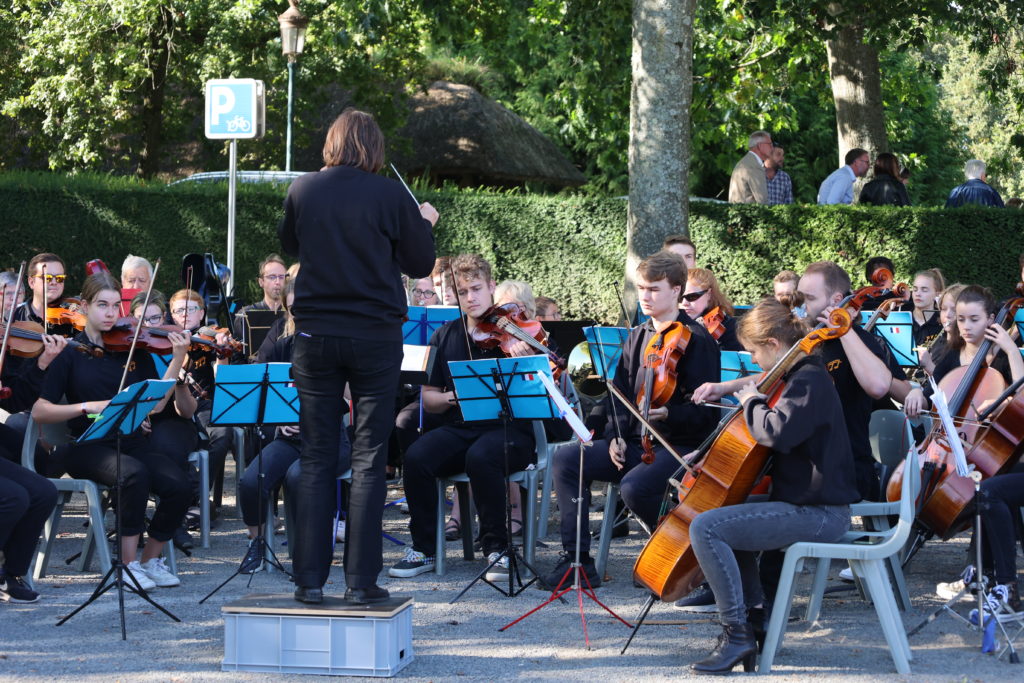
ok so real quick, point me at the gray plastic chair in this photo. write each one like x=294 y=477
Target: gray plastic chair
x=868 y=564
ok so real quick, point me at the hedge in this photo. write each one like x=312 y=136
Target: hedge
x=570 y=248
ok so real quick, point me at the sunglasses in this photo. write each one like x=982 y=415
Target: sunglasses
x=54 y=278
x=693 y=296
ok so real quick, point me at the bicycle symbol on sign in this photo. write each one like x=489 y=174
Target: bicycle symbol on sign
x=239 y=124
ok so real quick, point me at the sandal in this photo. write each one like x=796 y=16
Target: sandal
x=452 y=530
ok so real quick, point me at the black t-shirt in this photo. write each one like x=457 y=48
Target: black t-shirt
x=200 y=364
x=950 y=361
x=450 y=343
x=82 y=377
x=729 y=341
x=925 y=333
x=857 y=404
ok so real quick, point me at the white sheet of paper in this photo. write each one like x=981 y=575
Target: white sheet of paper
x=566 y=411
x=942 y=408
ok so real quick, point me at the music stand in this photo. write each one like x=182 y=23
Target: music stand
x=503 y=389
x=424 y=321
x=897 y=333
x=605 y=347
x=566 y=334
x=123 y=415
x=256 y=326
x=255 y=395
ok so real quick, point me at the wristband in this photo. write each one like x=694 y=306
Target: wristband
x=82 y=408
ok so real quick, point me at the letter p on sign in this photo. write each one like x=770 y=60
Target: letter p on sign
x=234 y=109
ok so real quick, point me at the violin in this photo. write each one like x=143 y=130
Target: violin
x=206 y=337
x=26 y=340
x=731 y=462
x=660 y=360
x=501 y=326
x=67 y=311
x=152 y=339
x=714 y=322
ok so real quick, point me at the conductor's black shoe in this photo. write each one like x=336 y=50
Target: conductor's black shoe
x=183 y=539
x=552 y=578
x=367 y=596
x=310 y=596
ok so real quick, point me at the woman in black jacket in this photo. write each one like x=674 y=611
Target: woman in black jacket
x=886 y=189
x=813 y=483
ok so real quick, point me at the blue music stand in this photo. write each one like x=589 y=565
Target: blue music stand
x=122 y=416
x=605 y=347
x=504 y=389
x=255 y=395
x=424 y=321
x=897 y=332
x=641 y=317
x=1018 y=320
x=736 y=364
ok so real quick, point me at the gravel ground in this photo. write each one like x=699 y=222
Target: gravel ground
x=462 y=641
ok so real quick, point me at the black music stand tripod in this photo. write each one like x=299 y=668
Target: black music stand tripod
x=255 y=395
x=489 y=389
x=123 y=415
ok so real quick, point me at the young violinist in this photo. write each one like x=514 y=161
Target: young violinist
x=188 y=311
x=660 y=280
x=813 y=483
x=89 y=383
x=548 y=309
x=926 y=291
x=703 y=300
x=46 y=282
x=458 y=446
x=442 y=278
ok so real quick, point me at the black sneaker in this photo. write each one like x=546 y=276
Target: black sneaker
x=14 y=589
x=552 y=578
x=253 y=559
x=183 y=539
x=413 y=564
x=700 y=600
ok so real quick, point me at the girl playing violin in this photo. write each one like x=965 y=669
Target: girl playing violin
x=704 y=301
x=89 y=383
x=813 y=483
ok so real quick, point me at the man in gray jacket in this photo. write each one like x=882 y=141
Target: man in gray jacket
x=749 y=184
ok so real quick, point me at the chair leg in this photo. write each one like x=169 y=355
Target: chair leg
x=439 y=533
x=607 y=524
x=530 y=519
x=268 y=535
x=172 y=557
x=817 y=590
x=204 y=498
x=780 y=613
x=545 y=501
x=42 y=560
x=97 y=530
x=888 y=617
x=468 y=515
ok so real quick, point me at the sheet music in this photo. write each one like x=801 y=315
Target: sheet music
x=566 y=411
x=942 y=408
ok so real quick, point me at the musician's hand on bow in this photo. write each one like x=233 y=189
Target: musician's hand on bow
x=657 y=414
x=747 y=392
x=181 y=342
x=914 y=403
x=289 y=430
x=617 y=452
x=709 y=391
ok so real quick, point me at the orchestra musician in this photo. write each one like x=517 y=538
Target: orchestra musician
x=46 y=282
x=701 y=298
x=926 y=292
x=682 y=246
x=785 y=284
x=813 y=484
x=355 y=232
x=616 y=455
x=947 y=318
x=89 y=383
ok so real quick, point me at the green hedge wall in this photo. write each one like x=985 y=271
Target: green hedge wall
x=570 y=248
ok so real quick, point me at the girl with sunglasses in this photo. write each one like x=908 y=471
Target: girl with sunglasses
x=701 y=297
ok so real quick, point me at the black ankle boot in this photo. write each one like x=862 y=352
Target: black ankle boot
x=755 y=617
x=735 y=645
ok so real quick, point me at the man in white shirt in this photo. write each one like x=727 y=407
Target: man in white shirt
x=837 y=188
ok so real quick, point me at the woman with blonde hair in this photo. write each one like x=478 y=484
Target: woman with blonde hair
x=700 y=299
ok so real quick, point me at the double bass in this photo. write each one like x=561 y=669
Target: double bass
x=730 y=464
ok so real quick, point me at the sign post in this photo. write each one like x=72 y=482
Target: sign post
x=234 y=110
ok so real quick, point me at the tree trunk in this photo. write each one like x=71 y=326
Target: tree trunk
x=659 y=128
x=153 y=90
x=857 y=91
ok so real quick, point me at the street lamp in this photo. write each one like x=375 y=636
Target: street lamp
x=293 y=39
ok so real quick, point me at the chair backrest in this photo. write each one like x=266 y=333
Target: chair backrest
x=540 y=444
x=28 y=446
x=911 y=485
x=888 y=436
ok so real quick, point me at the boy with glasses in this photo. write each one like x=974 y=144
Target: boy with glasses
x=46 y=282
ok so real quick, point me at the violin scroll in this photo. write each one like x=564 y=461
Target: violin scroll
x=840 y=323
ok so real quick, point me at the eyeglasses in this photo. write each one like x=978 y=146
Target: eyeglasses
x=182 y=311
x=154 y=319
x=275 y=278
x=424 y=293
x=693 y=296
x=54 y=278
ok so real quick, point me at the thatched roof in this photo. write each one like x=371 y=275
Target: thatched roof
x=456 y=133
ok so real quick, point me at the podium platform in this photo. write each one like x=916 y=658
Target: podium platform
x=274 y=633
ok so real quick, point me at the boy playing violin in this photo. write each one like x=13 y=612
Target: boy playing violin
x=46 y=281
x=471 y=447
x=660 y=280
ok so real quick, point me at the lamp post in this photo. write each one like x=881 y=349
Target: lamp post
x=293 y=39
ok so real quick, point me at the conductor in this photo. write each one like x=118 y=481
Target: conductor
x=354 y=232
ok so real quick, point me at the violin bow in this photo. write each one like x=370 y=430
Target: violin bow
x=46 y=300
x=138 y=327
x=10 y=316
x=622 y=306
x=657 y=435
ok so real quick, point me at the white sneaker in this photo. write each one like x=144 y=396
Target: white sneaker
x=499 y=567
x=140 y=576
x=339 y=531
x=846 y=575
x=156 y=570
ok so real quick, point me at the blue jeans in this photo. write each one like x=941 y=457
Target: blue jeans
x=322 y=366
x=726 y=541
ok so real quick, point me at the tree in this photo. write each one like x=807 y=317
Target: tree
x=659 y=132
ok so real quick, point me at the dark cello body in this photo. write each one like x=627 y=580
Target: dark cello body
x=732 y=465
x=991 y=448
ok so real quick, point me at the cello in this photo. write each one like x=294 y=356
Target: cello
x=990 y=447
x=731 y=462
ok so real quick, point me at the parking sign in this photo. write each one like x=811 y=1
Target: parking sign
x=234 y=109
